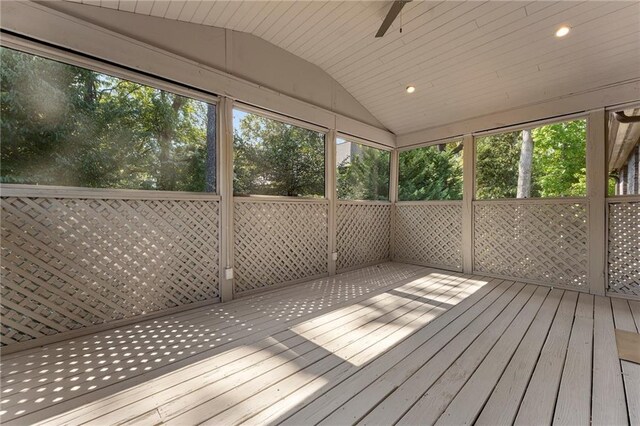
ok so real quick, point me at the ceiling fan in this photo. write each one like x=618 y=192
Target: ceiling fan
x=393 y=13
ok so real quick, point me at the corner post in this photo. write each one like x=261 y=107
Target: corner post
x=468 y=177
x=225 y=125
x=393 y=198
x=331 y=195
x=596 y=201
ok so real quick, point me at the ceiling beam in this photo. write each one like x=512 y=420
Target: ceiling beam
x=393 y=13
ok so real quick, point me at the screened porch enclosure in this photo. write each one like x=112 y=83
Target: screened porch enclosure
x=112 y=309
x=188 y=242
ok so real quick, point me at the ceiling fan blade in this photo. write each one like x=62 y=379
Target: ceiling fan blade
x=393 y=13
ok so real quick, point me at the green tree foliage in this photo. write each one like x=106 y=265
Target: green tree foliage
x=497 y=159
x=431 y=173
x=559 y=162
x=559 y=159
x=65 y=125
x=364 y=175
x=275 y=158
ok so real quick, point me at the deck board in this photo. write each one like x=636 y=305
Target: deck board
x=415 y=346
x=385 y=400
x=574 y=398
x=623 y=319
x=385 y=344
x=539 y=400
x=502 y=405
x=439 y=395
x=532 y=321
x=608 y=400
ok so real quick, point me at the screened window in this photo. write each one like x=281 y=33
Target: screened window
x=275 y=158
x=70 y=126
x=624 y=153
x=545 y=161
x=363 y=171
x=431 y=173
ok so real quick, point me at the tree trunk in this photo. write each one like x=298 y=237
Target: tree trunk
x=167 y=178
x=524 y=168
x=210 y=162
x=90 y=95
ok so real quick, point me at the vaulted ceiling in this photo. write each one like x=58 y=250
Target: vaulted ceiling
x=466 y=59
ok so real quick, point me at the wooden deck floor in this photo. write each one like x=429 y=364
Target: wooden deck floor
x=382 y=345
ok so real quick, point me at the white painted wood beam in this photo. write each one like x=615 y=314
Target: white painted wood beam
x=596 y=194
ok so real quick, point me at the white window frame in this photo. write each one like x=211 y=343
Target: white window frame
x=370 y=144
x=459 y=139
x=519 y=127
x=81 y=61
x=250 y=109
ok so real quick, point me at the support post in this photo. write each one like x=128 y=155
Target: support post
x=331 y=194
x=468 y=178
x=393 y=198
x=596 y=196
x=225 y=186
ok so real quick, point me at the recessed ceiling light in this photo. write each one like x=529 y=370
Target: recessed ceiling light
x=411 y=89
x=562 y=31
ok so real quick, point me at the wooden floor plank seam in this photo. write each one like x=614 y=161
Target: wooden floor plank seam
x=608 y=395
x=433 y=403
x=469 y=401
x=538 y=403
x=500 y=413
x=623 y=319
x=573 y=404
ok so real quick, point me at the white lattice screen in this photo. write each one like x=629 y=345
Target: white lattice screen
x=542 y=241
x=624 y=248
x=69 y=263
x=278 y=241
x=429 y=234
x=362 y=233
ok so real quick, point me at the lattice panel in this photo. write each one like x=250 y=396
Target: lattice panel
x=72 y=263
x=277 y=242
x=429 y=234
x=624 y=248
x=544 y=241
x=362 y=233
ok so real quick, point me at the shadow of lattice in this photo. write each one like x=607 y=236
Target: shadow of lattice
x=100 y=365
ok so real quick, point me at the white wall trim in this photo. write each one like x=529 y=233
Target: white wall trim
x=225 y=172
x=279 y=117
x=360 y=141
x=432 y=143
x=532 y=124
x=468 y=195
x=42 y=23
x=596 y=194
x=523 y=116
x=27 y=46
x=51 y=191
x=331 y=194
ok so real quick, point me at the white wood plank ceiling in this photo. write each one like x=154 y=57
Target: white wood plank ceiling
x=466 y=59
